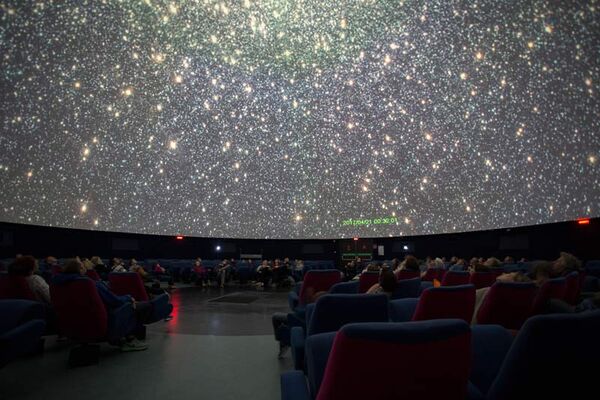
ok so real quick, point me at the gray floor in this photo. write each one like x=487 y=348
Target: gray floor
x=210 y=350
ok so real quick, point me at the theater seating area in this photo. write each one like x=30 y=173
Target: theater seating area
x=447 y=348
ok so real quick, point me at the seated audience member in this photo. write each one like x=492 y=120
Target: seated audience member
x=492 y=263
x=481 y=293
x=410 y=263
x=117 y=265
x=298 y=270
x=433 y=264
x=476 y=266
x=99 y=265
x=560 y=306
x=74 y=270
x=263 y=274
x=509 y=260
x=565 y=264
x=26 y=266
x=277 y=271
x=387 y=283
x=223 y=272
x=50 y=268
x=159 y=271
x=200 y=273
x=350 y=270
x=453 y=260
x=541 y=272
x=395 y=264
x=138 y=269
x=459 y=265
x=87 y=264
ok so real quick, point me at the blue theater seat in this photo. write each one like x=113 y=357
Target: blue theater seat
x=332 y=311
x=407 y=288
x=413 y=360
x=21 y=327
x=554 y=356
x=350 y=287
x=436 y=303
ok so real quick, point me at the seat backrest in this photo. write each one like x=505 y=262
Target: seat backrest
x=366 y=280
x=455 y=278
x=81 y=313
x=317 y=281
x=407 y=274
x=411 y=360
x=482 y=279
x=15 y=287
x=551 y=289
x=507 y=304
x=434 y=273
x=128 y=283
x=446 y=302
x=332 y=311
x=553 y=356
x=92 y=274
x=407 y=288
x=572 y=288
x=350 y=287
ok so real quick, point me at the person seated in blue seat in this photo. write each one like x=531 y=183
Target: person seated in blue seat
x=410 y=263
x=73 y=269
x=565 y=264
x=224 y=271
x=263 y=274
x=26 y=266
x=387 y=283
x=99 y=265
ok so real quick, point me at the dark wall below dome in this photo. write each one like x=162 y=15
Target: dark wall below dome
x=533 y=242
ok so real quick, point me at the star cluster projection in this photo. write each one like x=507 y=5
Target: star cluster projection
x=283 y=119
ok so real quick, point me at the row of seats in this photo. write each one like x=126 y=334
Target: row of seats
x=81 y=314
x=553 y=356
x=507 y=304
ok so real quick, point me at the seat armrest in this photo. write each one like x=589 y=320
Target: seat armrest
x=317 y=349
x=21 y=340
x=293 y=300
x=293 y=386
x=489 y=346
x=297 y=339
x=402 y=310
x=426 y=285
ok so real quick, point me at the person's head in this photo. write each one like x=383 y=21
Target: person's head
x=437 y=263
x=411 y=263
x=23 y=266
x=513 y=277
x=478 y=267
x=286 y=260
x=542 y=271
x=373 y=267
x=116 y=261
x=453 y=260
x=492 y=262
x=566 y=263
x=265 y=263
x=473 y=261
x=387 y=280
x=73 y=266
x=51 y=260
x=87 y=264
x=461 y=262
x=509 y=260
x=133 y=262
x=198 y=262
x=96 y=260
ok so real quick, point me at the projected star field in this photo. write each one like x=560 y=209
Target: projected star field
x=300 y=118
